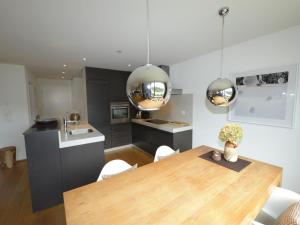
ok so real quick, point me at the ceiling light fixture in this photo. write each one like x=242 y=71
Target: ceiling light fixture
x=148 y=87
x=65 y=65
x=63 y=72
x=222 y=92
x=83 y=59
x=129 y=65
x=62 y=77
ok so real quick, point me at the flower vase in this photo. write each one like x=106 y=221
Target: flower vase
x=230 y=152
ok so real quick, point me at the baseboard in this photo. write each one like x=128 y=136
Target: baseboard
x=138 y=148
x=21 y=160
x=127 y=146
x=118 y=148
x=142 y=150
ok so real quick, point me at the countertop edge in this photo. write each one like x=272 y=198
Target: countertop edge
x=80 y=140
x=163 y=127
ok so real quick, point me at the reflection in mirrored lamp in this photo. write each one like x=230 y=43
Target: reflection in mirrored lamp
x=148 y=87
x=222 y=91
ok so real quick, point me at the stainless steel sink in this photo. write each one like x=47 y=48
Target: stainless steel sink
x=81 y=131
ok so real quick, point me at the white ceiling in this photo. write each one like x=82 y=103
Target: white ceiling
x=46 y=34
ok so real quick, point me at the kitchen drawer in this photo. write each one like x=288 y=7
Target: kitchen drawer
x=121 y=134
x=121 y=141
x=121 y=131
x=158 y=137
x=149 y=139
x=121 y=128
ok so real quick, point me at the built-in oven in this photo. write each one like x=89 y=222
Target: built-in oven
x=119 y=112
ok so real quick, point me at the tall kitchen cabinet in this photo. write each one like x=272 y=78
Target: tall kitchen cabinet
x=104 y=86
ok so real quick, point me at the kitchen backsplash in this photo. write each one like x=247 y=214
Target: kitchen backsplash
x=179 y=108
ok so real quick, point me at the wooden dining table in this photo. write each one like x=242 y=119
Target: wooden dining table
x=181 y=189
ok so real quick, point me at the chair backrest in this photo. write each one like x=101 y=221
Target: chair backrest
x=279 y=200
x=114 y=167
x=163 y=152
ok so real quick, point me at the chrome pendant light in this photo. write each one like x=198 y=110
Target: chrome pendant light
x=222 y=91
x=148 y=87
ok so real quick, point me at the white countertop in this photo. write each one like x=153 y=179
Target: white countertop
x=169 y=127
x=67 y=140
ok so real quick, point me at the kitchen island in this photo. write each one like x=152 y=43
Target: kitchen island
x=82 y=155
x=79 y=134
x=149 y=134
x=60 y=161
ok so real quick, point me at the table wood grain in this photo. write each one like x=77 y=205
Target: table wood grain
x=182 y=189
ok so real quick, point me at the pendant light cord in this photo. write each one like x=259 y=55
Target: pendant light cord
x=148 y=33
x=222 y=47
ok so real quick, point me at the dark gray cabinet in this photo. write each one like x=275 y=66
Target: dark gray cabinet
x=81 y=164
x=149 y=139
x=98 y=104
x=118 y=86
x=44 y=168
x=98 y=101
x=121 y=134
x=53 y=170
x=103 y=87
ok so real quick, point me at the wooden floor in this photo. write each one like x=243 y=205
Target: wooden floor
x=130 y=155
x=15 y=201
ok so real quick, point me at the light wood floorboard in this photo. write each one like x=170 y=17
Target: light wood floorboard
x=130 y=155
x=15 y=201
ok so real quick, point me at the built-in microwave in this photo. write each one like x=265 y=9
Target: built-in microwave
x=119 y=112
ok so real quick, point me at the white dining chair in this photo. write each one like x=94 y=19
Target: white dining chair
x=163 y=152
x=277 y=203
x=113 y=168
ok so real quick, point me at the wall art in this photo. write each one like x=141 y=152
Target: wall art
x=266 y=96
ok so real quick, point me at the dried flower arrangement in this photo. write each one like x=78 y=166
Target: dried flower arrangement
x=231 y=133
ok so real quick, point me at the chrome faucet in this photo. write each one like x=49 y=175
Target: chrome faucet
x=66 y=124
x=138 y=115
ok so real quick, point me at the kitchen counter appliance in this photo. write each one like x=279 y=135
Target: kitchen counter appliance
x=119 y=112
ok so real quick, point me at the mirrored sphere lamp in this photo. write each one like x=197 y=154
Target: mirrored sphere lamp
x=148 y=88
x=221 y=92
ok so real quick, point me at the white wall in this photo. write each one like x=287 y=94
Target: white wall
x=14 y=112
x=32 y=95
x=78 y=103
x=54 y=97
x=58 y=97
x=279 y=146
x=179 y=108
